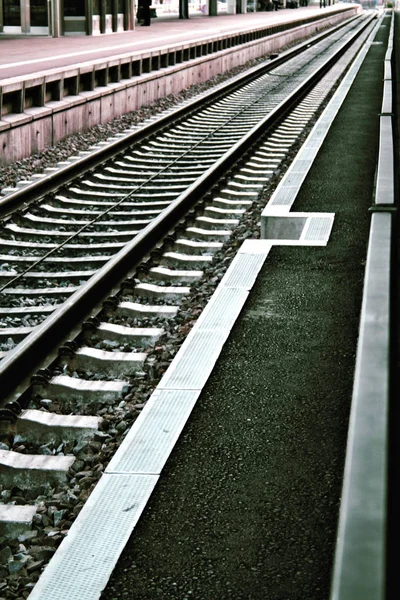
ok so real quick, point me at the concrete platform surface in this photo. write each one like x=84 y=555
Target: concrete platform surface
x=25 y=55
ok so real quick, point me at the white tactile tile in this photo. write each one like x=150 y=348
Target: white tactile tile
x=223 y=308
x=154 y=433
x=243 y=271
x=195 y=360
x=84 y=561
x=317 y=229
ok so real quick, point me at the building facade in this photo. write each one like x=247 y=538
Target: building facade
x=96 y=17
x=65 y=17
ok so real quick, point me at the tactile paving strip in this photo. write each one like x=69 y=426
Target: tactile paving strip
x=223 y=308
x=154 y=433
x=84 y=561
x=82 y=565
x=194 y=362
x=317 y=229
x=286 y=197
x=243 y=271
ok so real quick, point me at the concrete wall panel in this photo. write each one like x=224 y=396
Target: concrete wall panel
x=152 y=91
x=120 y=103
x=93 y=114
x=162 y=87
x=59 y=122
x=107 y=108
x=16 y=143
x=41 y=134
x=6 y=146
x=131 y=98
x=141 y=98
x=74 y=119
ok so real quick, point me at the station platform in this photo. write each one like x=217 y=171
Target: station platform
x=246 y=507
x=22 y=56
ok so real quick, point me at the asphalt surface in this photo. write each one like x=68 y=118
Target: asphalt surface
x=247 y=506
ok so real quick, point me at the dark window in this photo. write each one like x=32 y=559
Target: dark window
x=12 y=12
x=39 y=13
x=74 y=8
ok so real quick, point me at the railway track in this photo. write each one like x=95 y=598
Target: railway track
x=47 y=256
x=157 y=225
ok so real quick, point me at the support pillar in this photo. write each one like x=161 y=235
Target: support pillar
x=55 y=18
x=183 y=9
x=212 y=8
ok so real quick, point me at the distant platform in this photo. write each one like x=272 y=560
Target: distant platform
x=23 y=55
